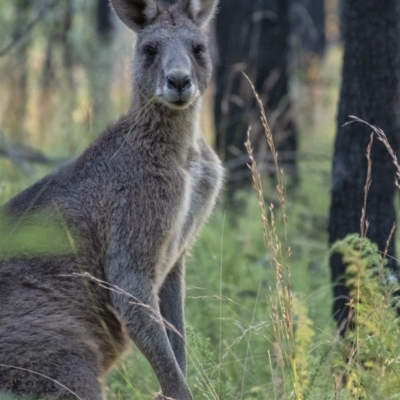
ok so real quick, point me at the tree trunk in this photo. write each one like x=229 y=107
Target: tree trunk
x=104 y=21
x=307 y=20
x=99 y=65
x=316 y=9
x=370 y=90
x=15 y=112
x=252 y=37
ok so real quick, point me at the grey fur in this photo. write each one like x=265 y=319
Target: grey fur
x=132 y=205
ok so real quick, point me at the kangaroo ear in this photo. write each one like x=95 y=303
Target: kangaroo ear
x=135 y=14
x=201 y=11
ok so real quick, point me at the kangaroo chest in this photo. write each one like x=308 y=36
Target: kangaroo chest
x=202 y=181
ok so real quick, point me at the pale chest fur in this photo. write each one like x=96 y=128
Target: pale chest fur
x=202 y=182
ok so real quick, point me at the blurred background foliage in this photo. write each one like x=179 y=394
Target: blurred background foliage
x=65 y=74
x=61 y=53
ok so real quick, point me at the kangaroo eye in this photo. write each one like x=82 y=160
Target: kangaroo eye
x=198 y=50
x=150 y=51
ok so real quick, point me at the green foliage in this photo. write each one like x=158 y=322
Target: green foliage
x=370 y=353
x=210 y=384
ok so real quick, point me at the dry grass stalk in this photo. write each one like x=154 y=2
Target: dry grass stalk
x=364 y=222
x=282 y=310
x=385 y=253
x=258 y=187
x=382 y=138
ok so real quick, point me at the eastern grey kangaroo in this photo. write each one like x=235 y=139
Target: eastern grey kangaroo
x=130 y=206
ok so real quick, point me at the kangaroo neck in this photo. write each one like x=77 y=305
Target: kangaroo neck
x=155 y=122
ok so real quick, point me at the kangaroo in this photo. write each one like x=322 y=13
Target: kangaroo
x=129 y=207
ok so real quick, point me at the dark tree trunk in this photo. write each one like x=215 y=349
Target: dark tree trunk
x=308 y=27
x=57 y=28
x=66 y=27
x=104 y=21
x=99 y=66
x=252 y=37
x=370 y=90
x=316 y=9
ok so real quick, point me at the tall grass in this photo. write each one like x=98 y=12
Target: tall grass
x=364 y=364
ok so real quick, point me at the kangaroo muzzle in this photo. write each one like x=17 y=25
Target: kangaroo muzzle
x=179 y=88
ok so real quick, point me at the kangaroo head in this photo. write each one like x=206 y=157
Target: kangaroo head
x=171 y=61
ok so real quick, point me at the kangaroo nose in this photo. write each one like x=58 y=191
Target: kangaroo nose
x=178 y=81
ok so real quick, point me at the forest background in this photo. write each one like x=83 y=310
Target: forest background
x=259 y=288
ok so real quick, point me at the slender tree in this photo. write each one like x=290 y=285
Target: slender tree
x=99 y=62
x=104 y=19
x=17 y=82
x=308 y=27
x=252 y=37
x=370 y=90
